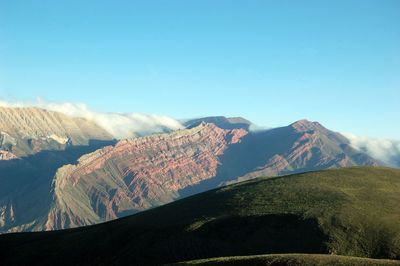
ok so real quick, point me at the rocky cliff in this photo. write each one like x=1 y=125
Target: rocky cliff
x=26 y=131
x=137 y=174
x=34 y=143
x=98 y=185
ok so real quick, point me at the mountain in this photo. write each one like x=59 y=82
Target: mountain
x=220 y=121
x=83 y=185
x=136 y=174
x=141 y=173
x=25 y=131
x=34 y=143
x=346 y=211
x=299 y=147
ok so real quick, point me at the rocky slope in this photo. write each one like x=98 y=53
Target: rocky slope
x=301 y=146
x=34 y=143
x=26 y=131
x=78 y=187
x=137 y=174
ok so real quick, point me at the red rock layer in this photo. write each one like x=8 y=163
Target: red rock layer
x=314 y=147
x=148 y=171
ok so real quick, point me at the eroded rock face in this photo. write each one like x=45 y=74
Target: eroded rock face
x=26 y=131
x=140 y=173
x=34 y=143
x=301 y=146
x=137 y=174
x=6 y=155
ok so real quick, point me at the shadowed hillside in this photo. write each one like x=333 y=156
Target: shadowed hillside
x=300 y=147
x=349 y=211
x=26 y=185
x=291 y=259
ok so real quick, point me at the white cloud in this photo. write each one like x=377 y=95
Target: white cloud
x=126 y=125
x=121 y=125
x=255 y=128
x=386 y=150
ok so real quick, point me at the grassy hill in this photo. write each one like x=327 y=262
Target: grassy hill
x=290 y=259
x=351 y=211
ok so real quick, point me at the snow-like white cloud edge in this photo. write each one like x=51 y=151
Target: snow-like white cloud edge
x=120 y=125
x=385 y=150
x=127 y=125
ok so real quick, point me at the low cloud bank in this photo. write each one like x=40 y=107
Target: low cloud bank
x=121 y=125
x=386 y=150
x=127 y=125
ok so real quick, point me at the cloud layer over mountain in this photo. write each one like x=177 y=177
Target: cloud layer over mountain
x=126 y=125
x=386 y=150
x=121 y=125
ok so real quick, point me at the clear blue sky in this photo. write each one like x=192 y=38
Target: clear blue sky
x=273 y=62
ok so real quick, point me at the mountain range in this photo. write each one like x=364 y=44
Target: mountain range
x=26 y=131
x=59 y=172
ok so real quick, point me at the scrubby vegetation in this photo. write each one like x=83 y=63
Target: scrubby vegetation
x=349 y=211
x=291 y=259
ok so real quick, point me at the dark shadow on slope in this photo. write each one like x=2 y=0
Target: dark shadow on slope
x=253 y=151
x=257 y=148
x=140 y=244
x=26 y=183
x=250 y=235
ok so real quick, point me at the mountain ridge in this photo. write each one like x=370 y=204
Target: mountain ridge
x=220 y=121
x=29 y=130
x=107 y=179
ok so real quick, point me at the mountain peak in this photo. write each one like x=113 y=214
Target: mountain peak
x=220 y=121
x=305 y=125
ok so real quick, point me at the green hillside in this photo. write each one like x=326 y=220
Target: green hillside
x=351 y=211
x=290 y=259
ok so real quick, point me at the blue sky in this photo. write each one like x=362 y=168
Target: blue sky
x=273 y=62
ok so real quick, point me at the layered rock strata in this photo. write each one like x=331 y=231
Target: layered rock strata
x=137 y=174
x=26 y=131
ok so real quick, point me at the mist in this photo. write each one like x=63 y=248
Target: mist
x=385 y=150
x=120 y=125
x=256 y=128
